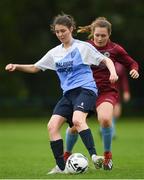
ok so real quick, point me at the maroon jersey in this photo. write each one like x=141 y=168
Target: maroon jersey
x=101 y=73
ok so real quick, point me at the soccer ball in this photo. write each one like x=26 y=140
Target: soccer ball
x=77 y=163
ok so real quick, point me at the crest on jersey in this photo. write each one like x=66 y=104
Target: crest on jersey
x=107 y=54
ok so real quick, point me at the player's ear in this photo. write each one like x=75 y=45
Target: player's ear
x=71 y=29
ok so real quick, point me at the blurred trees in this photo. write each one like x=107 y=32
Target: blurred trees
x=25 y=37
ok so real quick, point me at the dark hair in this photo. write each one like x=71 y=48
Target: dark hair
x=63 y=19
x=98 y=22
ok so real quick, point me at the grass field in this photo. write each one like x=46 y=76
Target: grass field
x=25 y=151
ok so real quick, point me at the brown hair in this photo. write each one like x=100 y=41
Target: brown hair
x=63 y=19
x=98 y=22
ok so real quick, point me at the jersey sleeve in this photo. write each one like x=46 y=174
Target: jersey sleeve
x=91 y=55
x=46 y=62
x=125 y=59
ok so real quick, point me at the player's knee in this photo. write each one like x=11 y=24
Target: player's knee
x=72 y=130
x=105 y=121
x=51 y=128
x=77 y=123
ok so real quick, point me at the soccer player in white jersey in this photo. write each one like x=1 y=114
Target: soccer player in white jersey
x=71 y=60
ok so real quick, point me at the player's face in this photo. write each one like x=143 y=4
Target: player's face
x=101 y=36
x=63 y=33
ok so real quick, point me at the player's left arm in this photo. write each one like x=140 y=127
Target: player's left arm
x=128 y=62
x=92 y=56
x=110 y=65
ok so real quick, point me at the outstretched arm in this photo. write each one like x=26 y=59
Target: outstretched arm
x=21 y=67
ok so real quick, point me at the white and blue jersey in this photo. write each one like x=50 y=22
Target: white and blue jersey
x=73 y=64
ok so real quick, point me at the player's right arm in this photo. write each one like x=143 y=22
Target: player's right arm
x=31 y=68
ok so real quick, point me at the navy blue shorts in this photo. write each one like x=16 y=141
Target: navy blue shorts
x=77 y=99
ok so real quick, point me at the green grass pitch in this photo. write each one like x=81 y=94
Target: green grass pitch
x=25 y=152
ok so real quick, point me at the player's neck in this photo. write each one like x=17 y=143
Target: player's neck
x=68 y=44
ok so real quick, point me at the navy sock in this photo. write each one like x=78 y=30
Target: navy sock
x=57 y=148
x=88 y=141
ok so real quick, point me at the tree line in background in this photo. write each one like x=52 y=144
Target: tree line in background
x=26 y=37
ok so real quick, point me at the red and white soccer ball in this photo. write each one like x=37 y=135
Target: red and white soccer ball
x=77 y=163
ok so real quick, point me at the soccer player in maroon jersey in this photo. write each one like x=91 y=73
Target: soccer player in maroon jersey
x=124 y=93
x=100 y=31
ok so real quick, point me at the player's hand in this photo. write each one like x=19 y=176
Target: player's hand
x=134 y=74
x=126 y=96
x=113 y=78
x=10 y=67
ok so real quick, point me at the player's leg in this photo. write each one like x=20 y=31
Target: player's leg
x=105 y=113
x=56 y=142
x=79 y=121
x=61 y=112
x=71 y=139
